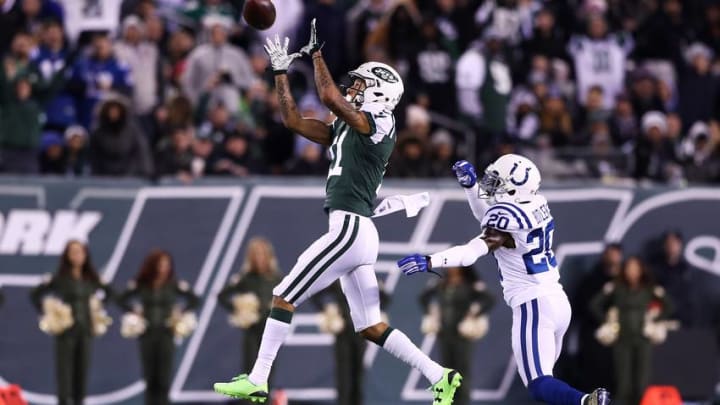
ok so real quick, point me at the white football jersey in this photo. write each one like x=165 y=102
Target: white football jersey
x=601 y=63
x=529 y=270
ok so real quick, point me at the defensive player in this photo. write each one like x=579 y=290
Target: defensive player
x=361 y=140
x=517 y=228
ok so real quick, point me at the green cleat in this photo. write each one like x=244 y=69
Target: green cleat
x=444 y=390
x=241 y=388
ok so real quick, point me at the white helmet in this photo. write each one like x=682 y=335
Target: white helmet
x=383 y=84
x=511 y=178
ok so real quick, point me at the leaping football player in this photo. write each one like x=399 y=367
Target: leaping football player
x=361 y=140
x=517 y=228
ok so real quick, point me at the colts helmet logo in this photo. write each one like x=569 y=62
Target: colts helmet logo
x=524 y=180
x=384 y=74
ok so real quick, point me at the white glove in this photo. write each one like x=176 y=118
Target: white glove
x=279 y=58
x=313 y=44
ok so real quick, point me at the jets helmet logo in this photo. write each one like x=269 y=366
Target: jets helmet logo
x=384 y=74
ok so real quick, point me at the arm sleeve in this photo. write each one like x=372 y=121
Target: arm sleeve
x=37 y=294
x=124 y=299
x=191 y=300
x=485 y=299
x=477 y=205
x=668 y=307
x=108 y=291
x=428 y=295
x=463 y=255
x=599 y=303
x=225 y=297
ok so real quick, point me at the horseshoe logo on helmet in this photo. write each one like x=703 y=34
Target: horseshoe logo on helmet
x=524 y=180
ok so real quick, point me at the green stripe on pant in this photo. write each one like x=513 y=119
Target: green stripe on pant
x=317 y=259
x=332 y=260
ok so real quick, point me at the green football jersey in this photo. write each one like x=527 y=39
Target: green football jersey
x=358 y=161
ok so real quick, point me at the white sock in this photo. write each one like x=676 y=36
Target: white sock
x=400 y=346
x=273 y=337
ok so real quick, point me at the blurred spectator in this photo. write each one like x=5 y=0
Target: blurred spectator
x=177 y=112
x=696 y=79
x=523 y=120
x=623 y=122
x=592 y=113
x=180 y=45
x=17 y=61
x=417 y=123
x=198 y=10
x=76 y=151
x=10 y=23
x=604 y=162
x=409 y=159
x=664 y=33
x=460 y=295
x=700 y=155
x=202 y=148
x=143 y=59
x=362 y=19
x=442 y=153
x=514 y=86
x=117 y=145
x=483 y=84
x=51 y=153
x=279 y=141
x=21 y=116
x=310 y=160
x=644 y=93
x=52 y=57
x=551 y=166
x=555 y=119
x=97 y=76
x=600 y=59
x=34 y=12
x=217 y=119
x=90 y=15
x=593 y=357
x=431 y=69
x=175 y=155
x=64 y=154
x=331 y=27
x=710 y=31
x=635 y=297
x=673 y=272
x=502 y=17
x=546 y=38
x=235 y=158
x=225 y=66
x=654 y=156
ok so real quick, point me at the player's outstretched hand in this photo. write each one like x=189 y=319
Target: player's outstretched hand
x=465 y=173
x=313 y=45
x=413 y=264
x=278 y=52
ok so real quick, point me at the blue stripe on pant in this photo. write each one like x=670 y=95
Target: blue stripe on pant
x=523 y=343
x=535 y=345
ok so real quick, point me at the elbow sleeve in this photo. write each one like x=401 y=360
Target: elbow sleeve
x=463 y=255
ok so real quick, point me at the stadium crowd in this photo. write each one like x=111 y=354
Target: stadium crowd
x=604 y=89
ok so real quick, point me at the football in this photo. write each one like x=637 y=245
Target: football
x=260 y=14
